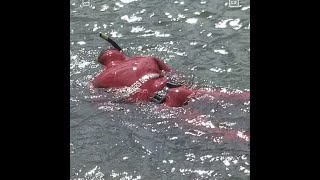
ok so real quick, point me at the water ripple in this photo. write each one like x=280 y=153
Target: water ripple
x=206 y=139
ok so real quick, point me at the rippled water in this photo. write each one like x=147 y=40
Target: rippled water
x=204 y=38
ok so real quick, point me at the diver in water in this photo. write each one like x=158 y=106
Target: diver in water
x=146 y=79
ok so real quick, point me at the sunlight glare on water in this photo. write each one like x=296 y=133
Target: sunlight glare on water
x=207 y=138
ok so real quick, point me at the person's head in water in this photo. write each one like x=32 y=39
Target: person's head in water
x=111 y=57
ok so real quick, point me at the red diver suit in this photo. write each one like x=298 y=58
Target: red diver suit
x=141 y=77
x=144 y=77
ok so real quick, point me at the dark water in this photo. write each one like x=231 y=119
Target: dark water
x=204 y=38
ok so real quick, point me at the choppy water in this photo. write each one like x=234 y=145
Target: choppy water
x=206 y=38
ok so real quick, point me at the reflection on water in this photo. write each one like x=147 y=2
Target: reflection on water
x=206 y=139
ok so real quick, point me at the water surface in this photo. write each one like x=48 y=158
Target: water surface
x=204 y=38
